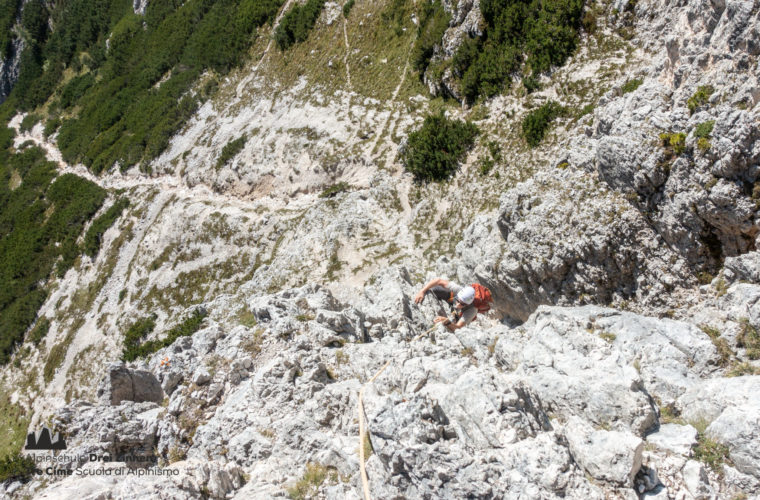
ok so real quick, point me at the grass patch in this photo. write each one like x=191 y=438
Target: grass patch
x=631 y=85
x=709 y=451
x=134 y=348
x=608 y=337
x=434 y=151
x=253 y=345
x=39 y=331
x=308 y=485
x=246 y=318
x=741 y=369
x=58 y=353
x=749 y=339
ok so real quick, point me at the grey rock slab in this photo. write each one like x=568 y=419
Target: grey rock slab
x=675 y=438
x=575 y=372
x=123 y=384
x=708 y=399
x=606 y=455
x=696 y=480
x=739 y=428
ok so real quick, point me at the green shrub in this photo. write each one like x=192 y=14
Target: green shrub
x=230 y=150
x=8 y=12
x=703 y=144
x=434 y=151
x=16 y=467
x=334 y=189
x=531 y=84
x=700 y=97
x=177 y=42
x=40 y=222
x=432 y=24
x=92 y=238
x=347 y=8
x=134 y=347
x=536 y=122
x=297 y=22
x=39 y=331
x=546 y=32
x=631 y=85
x=704 y=129
x=674 y=142
x=29 y=122
x=51 y=126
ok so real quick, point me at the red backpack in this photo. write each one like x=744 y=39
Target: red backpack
x=483 y=298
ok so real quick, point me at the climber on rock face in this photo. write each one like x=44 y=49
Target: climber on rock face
x=466 y=301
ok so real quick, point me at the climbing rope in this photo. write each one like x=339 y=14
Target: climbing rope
x=362 y=417
x=362 y=431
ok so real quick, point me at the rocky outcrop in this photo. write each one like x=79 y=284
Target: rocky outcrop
x=125 y=384
x=523 y=411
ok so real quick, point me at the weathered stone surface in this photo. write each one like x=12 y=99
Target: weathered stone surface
x=124 y=384
x=738 y=427
x=674 y=438
x=606 y=455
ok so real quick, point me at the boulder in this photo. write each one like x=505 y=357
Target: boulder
x=675 y=438
x=124 y=384
x=607 y=455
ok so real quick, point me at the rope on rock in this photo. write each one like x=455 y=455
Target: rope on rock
x=363 y=430
x=362 y=416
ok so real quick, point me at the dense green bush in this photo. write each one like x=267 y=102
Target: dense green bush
x=39 y=224
x=16 y=467
x=230 y=150
x=100 y=225
x=546 y=31
x=176 y=43
x=347 y=8
x=434 y=151
x=536 y=122
x=297 y=22
x=134 y=347
x=8 y=12
x=432 y=24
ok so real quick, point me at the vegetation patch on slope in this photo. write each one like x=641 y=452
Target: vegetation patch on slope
x=434 y=151
x=145 y=73
x=40 y=222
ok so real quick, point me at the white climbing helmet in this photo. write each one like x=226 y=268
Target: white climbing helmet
x=466 y=295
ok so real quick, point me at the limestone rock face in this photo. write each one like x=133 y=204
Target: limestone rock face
x=125 y=384
x=530 y=410
x=606 y=455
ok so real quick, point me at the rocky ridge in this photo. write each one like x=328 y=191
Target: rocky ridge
x=556 y=399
